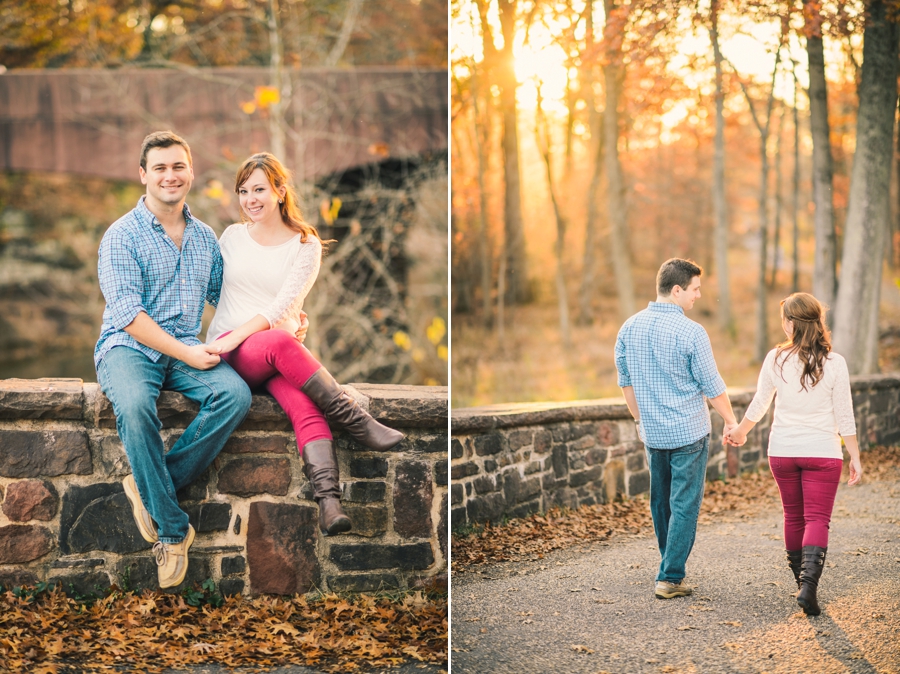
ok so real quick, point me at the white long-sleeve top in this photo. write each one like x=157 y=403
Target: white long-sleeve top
x=268 y=280
x=807 y=423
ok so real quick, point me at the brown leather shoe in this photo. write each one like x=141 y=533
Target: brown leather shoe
x=344 y=411
x=320 y=467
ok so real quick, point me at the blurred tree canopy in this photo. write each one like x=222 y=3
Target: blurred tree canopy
x=101 y=33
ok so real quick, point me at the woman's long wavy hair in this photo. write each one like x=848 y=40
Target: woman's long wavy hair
x=278 y=177
x=810 y=339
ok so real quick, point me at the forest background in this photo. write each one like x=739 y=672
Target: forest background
x=379 y=308
x=593 y=140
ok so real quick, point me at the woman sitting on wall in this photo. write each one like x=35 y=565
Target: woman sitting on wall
x=813 y=410
x=271 y=260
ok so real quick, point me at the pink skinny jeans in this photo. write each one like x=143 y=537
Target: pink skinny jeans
x=808 y=487
x=279 y=362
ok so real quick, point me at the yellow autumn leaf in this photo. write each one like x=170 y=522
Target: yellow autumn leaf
x=266 y=96
x=442 y=352
x=214 y=189
x=436 y=331
x=336 y=204
x=418 y=355
x=402 y=340
x=248 y=107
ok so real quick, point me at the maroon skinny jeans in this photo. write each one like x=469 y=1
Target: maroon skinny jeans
x=278 y=361
x=808 y=487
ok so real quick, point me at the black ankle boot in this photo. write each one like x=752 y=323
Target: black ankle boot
x=795 y=561
x=813 y=564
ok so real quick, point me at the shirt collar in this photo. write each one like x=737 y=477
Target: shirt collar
x=146 y=215
x=667 y=307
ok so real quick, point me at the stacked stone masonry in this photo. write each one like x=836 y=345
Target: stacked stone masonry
x=513 y=460
x=65 y=518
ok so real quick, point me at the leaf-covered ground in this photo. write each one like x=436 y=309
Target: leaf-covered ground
x=532 y=537
x=50 y=633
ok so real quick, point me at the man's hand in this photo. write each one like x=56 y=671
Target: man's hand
x=733 y=436
x=202 y=356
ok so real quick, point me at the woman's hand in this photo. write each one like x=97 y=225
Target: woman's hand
x=226 y=344
x=297 y=329
x=735 y=437
x=856 y=471
x=288 y=325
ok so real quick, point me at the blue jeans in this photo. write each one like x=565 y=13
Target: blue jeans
x=132 y=383
x=677 y=480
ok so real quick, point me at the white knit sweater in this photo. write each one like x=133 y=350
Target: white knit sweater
x=268 y=280
x=807 y=423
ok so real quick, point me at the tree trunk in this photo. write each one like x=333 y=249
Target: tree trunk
x=762 y=323
x=517 y=287
x=795 y=201
x=542 y=137
x=726 y=320
x=824 y=284
x=856 y=309
x=483 y=240
x=589 y=260
x=615 y=193
x=279 y=83
x=776 y=233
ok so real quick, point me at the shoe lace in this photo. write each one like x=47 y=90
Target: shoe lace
x=161 y=551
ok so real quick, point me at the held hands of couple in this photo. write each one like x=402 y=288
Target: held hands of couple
x=202 y=356
x=733 y=436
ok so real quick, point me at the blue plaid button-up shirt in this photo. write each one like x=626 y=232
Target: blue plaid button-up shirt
x=668 y=360
x=141 y=269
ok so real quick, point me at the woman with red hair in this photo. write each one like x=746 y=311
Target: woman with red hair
x=813 y=411
x=271 y=260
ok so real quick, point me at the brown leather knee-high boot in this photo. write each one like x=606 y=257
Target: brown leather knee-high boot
x=344 y=411
x=320 y=466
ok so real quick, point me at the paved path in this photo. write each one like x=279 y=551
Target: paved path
x=592 y=609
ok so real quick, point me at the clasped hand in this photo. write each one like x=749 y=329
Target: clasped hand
x=733 y=436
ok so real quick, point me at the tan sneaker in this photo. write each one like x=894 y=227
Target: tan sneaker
x=172 y=560
x=666 y=590
x=141 y=516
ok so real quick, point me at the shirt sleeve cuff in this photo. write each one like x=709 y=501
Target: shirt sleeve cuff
x=123 y=313
x=717 y=389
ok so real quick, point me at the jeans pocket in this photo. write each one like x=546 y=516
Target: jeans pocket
x=695 y=447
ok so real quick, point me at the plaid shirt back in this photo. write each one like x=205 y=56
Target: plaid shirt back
x=141 y=269
x=668 y=360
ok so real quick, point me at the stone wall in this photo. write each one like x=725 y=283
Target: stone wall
x=513 y=460
x=65 y=518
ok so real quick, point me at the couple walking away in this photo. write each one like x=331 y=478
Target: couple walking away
x=158 y=266
x=667 y=371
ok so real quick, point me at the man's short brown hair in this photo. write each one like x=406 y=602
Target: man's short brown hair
x=676 y=272
x=163 y=139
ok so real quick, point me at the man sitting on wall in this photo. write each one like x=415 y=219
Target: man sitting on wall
x=666 y=367
x=158 y=267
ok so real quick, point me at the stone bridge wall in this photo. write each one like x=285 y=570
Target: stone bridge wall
x=65 y=518
x=513 y=460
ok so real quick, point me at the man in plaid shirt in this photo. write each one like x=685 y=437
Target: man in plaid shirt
x=158 y=266
x=667 y=372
